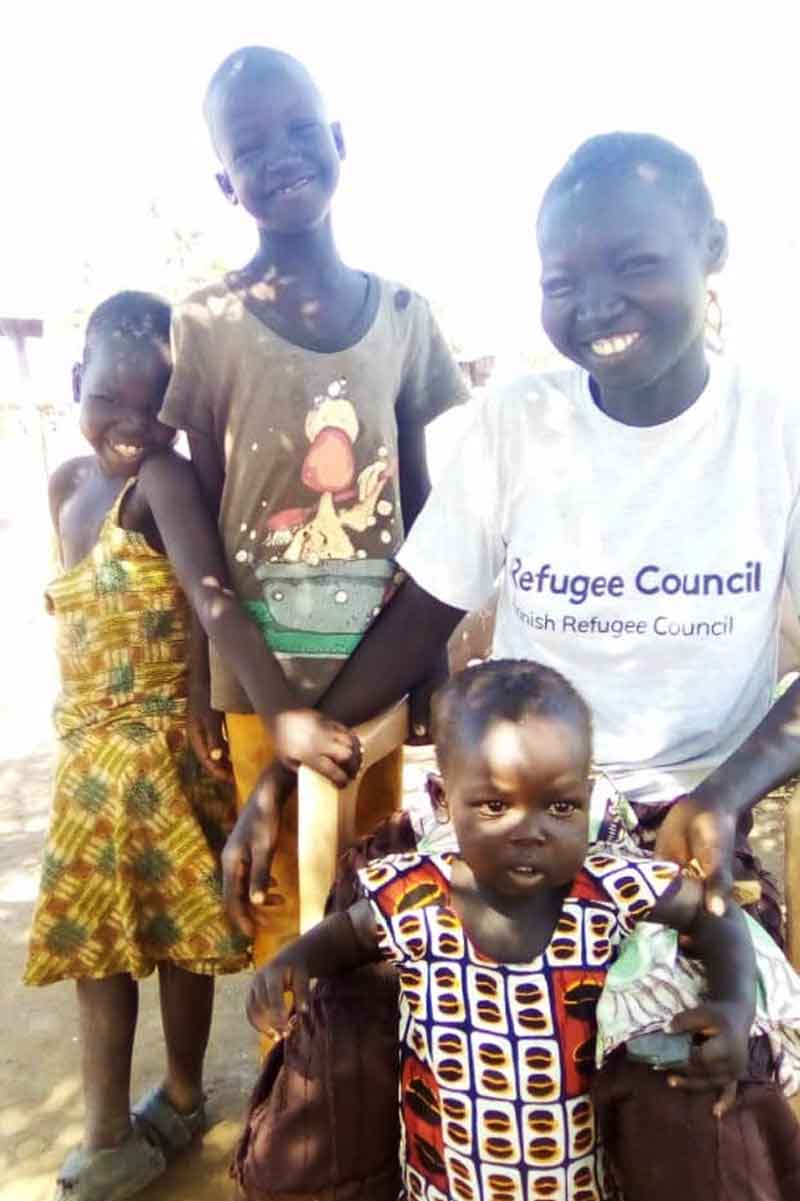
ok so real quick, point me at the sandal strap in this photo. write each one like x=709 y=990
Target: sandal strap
x=164 y=1125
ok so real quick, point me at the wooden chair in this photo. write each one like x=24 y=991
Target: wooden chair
x=326 y=816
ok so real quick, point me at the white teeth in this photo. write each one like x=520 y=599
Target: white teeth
x=127 y=452
x=296 y=186
x=605 y=347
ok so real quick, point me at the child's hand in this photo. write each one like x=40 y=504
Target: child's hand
x=303 y=736
x=704 y=833
x=266 y=1006
x=247 y=857
x=719 y=1057
x=206 y=730
x=419 y=702
x=204 y=725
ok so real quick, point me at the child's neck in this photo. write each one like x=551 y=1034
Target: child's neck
x=505 y=928
x=298 y=286
x=310 y=257
x=663 y=400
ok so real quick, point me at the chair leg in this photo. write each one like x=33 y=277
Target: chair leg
x=317 y=843
x=792 y=877
x=348 y=806
x=326 y=823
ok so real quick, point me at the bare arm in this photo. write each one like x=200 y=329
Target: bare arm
x=395 y=655
x=171 y=490
x=767 y=758
x=702 y=825
x=62 y=484
x=209 y=471
x=415 y=486
x=340 y=943
x=723 y=946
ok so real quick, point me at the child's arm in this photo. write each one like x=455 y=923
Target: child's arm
x=170 y=488
x=62 y=483
x=722 y=944
x=205 y=725
x=415 y=486
x=340 y=943
x=395 y=655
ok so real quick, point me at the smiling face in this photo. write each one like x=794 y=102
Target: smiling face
x=121 y=387
x=519 y=802
x=280 y=155
x=624 y=278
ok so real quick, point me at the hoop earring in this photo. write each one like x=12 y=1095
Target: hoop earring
x=714 y=338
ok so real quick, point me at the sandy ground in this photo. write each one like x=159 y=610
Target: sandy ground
x=40 y=1102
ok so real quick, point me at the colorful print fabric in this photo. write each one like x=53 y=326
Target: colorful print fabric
x=131 y=866
x=496 y=1058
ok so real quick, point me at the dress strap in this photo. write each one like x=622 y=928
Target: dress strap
x=112 y=517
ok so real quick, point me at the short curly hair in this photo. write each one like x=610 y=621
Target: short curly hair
x=129 y=315
x=615 y=155
x=503 y=690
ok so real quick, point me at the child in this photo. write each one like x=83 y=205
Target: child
x=502 y=949
x=304 y=387
x=131 y=870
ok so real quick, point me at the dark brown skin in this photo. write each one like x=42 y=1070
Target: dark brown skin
x=520 y=806
x=619 y=258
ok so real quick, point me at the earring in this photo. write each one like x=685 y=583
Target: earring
x=714 y=322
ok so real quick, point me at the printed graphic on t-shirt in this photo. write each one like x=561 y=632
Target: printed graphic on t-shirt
x=546 y=597
x=321 y=574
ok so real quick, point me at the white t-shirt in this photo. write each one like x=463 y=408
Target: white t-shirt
x=644 y=564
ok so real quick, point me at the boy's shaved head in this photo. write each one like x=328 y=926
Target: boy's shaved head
x=246 y=64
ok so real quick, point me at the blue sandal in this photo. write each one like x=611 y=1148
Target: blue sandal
x=163 y=1125
x=113 y=1174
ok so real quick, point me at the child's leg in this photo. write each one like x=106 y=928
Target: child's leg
x=107 y=1011
x=187 y=1003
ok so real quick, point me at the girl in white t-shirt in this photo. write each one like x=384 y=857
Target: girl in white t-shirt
x=640 y=512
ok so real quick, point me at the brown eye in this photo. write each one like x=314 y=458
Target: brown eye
x=494 y=807
x=563 y=808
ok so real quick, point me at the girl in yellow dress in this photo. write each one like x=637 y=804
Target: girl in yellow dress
x=130 y=879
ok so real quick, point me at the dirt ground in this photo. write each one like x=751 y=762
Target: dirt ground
x=40 y=1101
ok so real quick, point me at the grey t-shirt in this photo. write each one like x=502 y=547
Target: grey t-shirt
x=310 y=515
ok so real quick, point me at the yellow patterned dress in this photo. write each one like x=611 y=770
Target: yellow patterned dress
x=131 y=867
